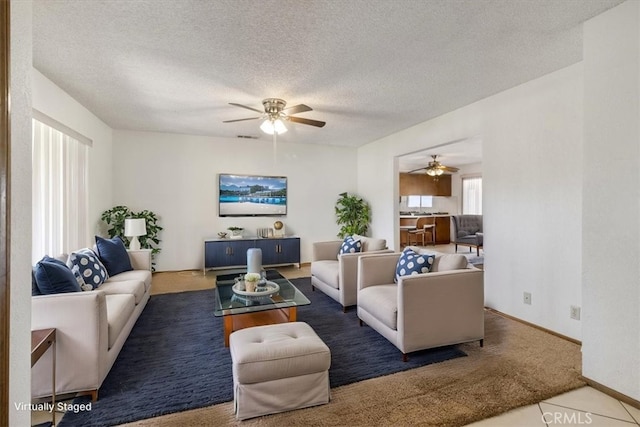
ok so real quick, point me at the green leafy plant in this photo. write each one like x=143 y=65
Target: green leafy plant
x=353 y=214
x=114 y=218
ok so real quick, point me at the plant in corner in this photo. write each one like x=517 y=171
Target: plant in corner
x=114 y=218
x=353 y=214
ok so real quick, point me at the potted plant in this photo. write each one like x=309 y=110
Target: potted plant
x=236 y=232
x=114 y=218
x=353 y=214
x=251 y=281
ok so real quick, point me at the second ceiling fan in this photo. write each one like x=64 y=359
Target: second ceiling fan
x=275 y=113
x=435 y=168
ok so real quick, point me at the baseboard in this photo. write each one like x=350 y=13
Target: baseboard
x=611 y=392
x=533 y=325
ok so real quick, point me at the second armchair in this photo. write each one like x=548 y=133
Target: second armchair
x=336 y=274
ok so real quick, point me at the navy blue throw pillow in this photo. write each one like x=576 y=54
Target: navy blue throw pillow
x=113 y=255
x=34 y=284
x=91 y=271
x=350 y=246
x=54 y=277
x=411 y=262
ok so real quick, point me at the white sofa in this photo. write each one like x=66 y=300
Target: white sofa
x=91 y=328
x=337 y=275
x=421 y=311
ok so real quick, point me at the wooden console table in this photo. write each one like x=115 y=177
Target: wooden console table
x=41 y=340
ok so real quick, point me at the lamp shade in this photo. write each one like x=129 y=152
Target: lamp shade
x=135 y=227
x=273 y=126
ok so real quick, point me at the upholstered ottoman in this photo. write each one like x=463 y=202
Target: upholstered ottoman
x=278 y=368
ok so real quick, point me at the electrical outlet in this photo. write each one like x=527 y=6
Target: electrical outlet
x=574 y=312
x=526 y=298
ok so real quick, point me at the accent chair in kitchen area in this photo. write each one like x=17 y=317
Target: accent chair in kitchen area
x=467 y=231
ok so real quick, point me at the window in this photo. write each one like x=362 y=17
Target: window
x=419 y=201
x=59 y=188
x=472 y=195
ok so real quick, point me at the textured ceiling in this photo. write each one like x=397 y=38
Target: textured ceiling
x=369 y=68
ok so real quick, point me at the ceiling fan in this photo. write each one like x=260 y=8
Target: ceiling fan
x=275 y=114
x=435 y=168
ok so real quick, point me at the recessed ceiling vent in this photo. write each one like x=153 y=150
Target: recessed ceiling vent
x=247 y=136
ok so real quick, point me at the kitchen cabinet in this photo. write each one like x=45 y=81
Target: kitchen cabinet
x=423 y=184
x=443 y=230
x=410 y=184
x=226 y=253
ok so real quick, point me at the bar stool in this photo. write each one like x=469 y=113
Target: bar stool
x=424 y=225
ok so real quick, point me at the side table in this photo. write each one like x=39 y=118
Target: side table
x=41 y=340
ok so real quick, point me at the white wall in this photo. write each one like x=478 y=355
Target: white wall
x=611 y=244
x=176 y=176
x=532 y=168
x=20 y=215
x=49 y=99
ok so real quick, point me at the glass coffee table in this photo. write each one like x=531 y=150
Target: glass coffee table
x=241 y=311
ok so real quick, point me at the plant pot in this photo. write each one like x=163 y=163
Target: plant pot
x=250 y=286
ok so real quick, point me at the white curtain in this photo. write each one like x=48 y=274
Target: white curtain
x=59 y=192
x=472 y=196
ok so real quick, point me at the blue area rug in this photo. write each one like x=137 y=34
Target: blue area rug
x=175 y=359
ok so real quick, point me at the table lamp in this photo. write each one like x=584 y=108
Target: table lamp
x=134 y=227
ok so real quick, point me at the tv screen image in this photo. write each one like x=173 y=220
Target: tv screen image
x=252 y=195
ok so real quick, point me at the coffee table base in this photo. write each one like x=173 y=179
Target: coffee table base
x=235 y=322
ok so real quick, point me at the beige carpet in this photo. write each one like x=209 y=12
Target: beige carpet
x=518 y=365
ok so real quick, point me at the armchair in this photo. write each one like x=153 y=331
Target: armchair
x=337 y=275
x=467 y=231
x=421 y=311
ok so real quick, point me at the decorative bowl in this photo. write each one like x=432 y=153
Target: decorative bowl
x=266 y=289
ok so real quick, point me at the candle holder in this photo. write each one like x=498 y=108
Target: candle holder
x=254 y=260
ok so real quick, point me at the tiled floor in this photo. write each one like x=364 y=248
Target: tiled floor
x=585 y=406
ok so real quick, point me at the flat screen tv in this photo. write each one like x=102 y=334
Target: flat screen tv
x=252 y=195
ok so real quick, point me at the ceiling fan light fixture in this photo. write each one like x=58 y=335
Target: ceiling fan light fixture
x=279 y=127
x=271 y=126
x=433 y=171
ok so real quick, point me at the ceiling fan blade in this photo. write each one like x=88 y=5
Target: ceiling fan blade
x=248 y=108
x=240 y=120
x=316 y=123
x=449 y=168
x=416 y=170
x=300 y=108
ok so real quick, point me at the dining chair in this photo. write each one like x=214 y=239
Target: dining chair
x=424 y=225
